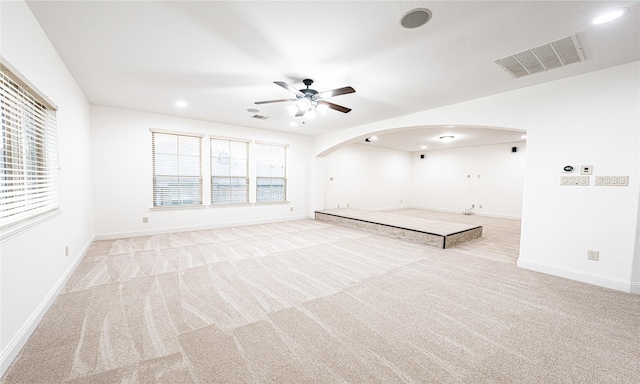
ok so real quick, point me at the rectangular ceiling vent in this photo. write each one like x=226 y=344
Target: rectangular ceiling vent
x=543 y=58
x=260 y=117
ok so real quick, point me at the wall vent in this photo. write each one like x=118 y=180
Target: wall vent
x=260 y=117
x=543 y=58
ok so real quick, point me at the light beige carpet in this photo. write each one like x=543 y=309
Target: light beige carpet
x=309 y=302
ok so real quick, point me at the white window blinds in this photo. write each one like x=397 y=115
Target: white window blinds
x=177 y=169
x=229 y=171
x=271 y=182
x=29 y=155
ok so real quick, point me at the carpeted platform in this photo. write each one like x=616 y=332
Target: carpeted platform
x=436 y=233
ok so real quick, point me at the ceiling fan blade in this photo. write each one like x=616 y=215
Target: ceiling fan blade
x=336 y=92
x=288 y=87
x=336 y=107
x=299 y=113
x=274 y=101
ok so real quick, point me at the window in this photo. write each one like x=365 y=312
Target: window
x=229 y=171
x=177 y=169
x=29 y=154
x=271 y=181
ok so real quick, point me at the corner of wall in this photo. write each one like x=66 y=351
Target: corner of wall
x=13 y=348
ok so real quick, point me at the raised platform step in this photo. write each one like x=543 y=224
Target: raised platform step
x=436 y=233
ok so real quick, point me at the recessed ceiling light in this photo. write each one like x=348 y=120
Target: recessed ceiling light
x=293 y=124
x=415 y=18
x=423 y=147
x=181 y=103
x=609 y=16
x=523 y=136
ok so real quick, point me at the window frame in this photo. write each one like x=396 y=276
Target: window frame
x=272 y=163
x=230 y=176
x=158 y=193
x=29 y=159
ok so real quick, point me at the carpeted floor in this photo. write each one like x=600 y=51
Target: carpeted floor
x=309 y=302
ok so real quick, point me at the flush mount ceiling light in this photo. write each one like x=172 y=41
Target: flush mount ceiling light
x=415 y=18
x=609 y=16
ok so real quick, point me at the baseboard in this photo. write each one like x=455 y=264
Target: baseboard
x=161 y=231
x=585 y=277
x=459 y=211
x=13 y=348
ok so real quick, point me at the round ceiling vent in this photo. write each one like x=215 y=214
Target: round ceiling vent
x=415 y=18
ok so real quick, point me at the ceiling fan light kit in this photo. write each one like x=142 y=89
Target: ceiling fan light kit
x=308 y=100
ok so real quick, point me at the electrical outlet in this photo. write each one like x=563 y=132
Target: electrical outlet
x=593 y=255
x=480 y=206
x=574 y=180
x=145 y=220
x=66 y=250
x=612 y=181
x=290 y=209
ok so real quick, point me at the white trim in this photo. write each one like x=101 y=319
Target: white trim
x=271 y=143
x=11 y=351
x=162 y=231
x=585 y=277
x=174 y=207
x=167 y=132
x=475 y=212
x=635 y=287
x=22 y=227
x=22 y=81
x=225 y=138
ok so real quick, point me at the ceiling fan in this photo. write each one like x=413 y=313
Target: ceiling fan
x=307 y=100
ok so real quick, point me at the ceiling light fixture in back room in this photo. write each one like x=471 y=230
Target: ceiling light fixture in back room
x=308 y=101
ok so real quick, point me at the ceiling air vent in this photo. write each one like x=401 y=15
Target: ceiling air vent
x=543 y=58
x=260 y=117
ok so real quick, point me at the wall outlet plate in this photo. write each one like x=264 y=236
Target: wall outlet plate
x=580 y=181
x=593 y=255
x=612 y=181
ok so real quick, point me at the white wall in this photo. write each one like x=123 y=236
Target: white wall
x=588 y=119
x=122 y=168
x=33 y=265
x=447 y=180
x=367 y=177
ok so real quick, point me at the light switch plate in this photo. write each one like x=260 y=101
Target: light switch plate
x=586 y=169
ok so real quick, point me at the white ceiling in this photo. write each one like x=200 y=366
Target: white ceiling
x=222 y=56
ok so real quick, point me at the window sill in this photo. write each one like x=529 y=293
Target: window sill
x=281 y=202
x=177 y=207
x=25 y=226
x=229 y=205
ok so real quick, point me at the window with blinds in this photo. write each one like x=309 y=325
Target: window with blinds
x=271 y=181
x=229 y=171
x=177 y=169
x=29 y=154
